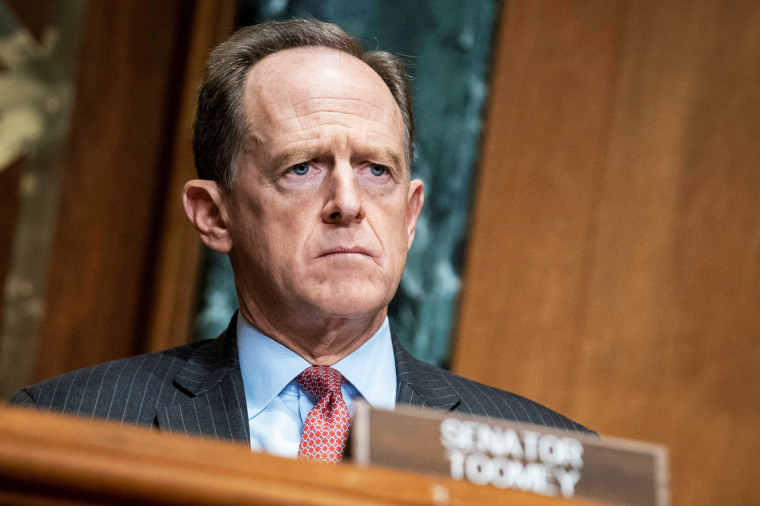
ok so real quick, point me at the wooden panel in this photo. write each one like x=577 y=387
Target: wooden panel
x=47 y=459
x=178 y=265
x=122 y=128
x=540 y=180
x=613 y=271
x=10 y=178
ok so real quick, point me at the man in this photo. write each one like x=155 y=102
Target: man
x=303 y=144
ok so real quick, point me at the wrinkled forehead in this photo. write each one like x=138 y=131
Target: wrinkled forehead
x=296 y=84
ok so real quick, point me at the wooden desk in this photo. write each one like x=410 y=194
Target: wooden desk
x=51 y=459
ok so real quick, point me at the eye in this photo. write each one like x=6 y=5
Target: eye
x=378 y=170
x=300 y=169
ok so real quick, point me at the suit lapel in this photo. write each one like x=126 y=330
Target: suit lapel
x=421 y=384
x=214 y=401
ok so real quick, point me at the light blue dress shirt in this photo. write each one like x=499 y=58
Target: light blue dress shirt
x=278 y=406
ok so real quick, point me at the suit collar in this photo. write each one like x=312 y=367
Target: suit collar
x=214 y=405
x=210 y=363
x=422 y=384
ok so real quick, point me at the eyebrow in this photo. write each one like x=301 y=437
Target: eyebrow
x=389 y=154
x=289 y=156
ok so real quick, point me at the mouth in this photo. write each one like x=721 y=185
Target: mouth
x=342 y=250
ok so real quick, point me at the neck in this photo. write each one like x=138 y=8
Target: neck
x=321 y=341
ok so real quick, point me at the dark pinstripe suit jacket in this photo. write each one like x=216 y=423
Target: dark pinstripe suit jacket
x=198 y=389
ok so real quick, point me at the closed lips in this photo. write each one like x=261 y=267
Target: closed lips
x=344 y=250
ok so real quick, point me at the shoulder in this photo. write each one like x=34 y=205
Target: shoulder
x=469 y=397
x=480 y=399
x=121 y=389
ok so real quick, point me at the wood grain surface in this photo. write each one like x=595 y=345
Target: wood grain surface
x=178 y=263
x=10 y=178
x=111 y=186
x=51 y=459
x=614 y=265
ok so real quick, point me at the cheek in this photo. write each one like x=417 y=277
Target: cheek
x=282 y=235
x=274 y=217
x=397 y=226
x=392 y=234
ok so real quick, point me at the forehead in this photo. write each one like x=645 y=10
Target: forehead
x=305 y=88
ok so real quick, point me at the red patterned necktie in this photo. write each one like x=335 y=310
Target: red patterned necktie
x=326 y=426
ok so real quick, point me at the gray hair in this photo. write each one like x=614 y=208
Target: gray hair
x=219 y=131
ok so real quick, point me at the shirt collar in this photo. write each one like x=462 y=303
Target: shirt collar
x=268 y=367
x=372 y=369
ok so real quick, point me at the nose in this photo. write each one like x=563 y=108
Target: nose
x=344 y=203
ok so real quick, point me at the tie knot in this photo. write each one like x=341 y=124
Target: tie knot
x=320 y=380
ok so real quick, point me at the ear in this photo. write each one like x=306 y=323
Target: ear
x=414 y=203
x=205 y=207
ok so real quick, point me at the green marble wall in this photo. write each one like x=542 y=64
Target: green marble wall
x=447 y=43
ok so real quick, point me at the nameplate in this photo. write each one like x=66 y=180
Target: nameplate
x=507 y=455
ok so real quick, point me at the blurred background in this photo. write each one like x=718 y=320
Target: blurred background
x=591 y=233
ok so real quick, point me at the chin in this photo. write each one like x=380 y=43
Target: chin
x=350 y=302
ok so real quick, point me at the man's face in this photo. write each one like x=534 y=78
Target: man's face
x=322 y=212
